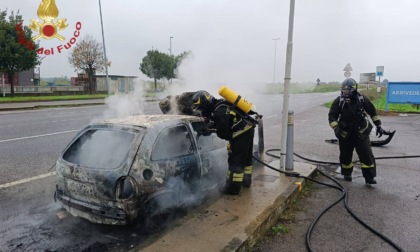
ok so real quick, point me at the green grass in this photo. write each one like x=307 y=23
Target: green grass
x=280 y=228
x=51 y=98
x=297 y=88
x=379 y=100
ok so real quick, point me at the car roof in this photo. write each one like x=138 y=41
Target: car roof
x=150 y=120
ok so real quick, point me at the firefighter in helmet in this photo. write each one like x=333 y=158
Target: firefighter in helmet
x=230 y=124
x=348 y=118
x=178 y=104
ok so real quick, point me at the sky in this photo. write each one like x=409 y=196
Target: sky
x=232 y=41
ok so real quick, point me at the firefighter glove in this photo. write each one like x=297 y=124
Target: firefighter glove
x=210 y=125
x=379 y=131
x=339 y=133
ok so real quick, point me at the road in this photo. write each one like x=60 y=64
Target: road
x=31 y=141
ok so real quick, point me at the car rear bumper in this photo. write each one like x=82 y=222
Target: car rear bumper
x=92 y=212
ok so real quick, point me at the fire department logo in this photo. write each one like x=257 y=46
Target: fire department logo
x=48 y=29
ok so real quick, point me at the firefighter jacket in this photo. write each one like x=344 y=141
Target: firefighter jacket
x=228 y=121
x=351 y=117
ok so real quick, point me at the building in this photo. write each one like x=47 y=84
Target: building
x=24 y=78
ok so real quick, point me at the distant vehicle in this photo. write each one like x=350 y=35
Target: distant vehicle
x=124 y=170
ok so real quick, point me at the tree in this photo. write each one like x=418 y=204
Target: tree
x=17 y=51
x=157 y=65
x=88 y=56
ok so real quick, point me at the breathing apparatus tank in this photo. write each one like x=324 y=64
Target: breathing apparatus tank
x=234 y=98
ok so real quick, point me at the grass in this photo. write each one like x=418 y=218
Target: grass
x=379 y=100
x=51 y=98
x=289 y=213
x=280 y=228
x=297 y=88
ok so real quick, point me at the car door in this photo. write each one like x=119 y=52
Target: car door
x=174 y=152
x=212 y=153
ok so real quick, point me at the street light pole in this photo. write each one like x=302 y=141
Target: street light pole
x=2 y=78
x=103 y=42
x=170 y=45
x=287 y=77
x=275 y=54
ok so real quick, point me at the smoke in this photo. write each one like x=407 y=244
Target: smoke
x=125 y=104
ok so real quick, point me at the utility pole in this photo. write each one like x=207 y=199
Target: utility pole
x=103 y=42
x=275 y=54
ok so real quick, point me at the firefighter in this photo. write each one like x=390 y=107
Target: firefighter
x=232 y=125
x=178 y=104
x=348 y=118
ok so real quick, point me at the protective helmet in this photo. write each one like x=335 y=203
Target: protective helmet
x=165 y=105
x=202 y=100
x=349 y=88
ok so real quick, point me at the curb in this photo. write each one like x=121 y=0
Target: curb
x=233 y=223
x=269 y=217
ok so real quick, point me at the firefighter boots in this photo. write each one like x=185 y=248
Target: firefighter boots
x=232 y=188
x=371 y=181
x=247 y=180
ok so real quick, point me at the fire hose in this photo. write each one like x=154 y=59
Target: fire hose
x=337 y=186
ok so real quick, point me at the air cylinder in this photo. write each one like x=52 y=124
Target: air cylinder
x=234 y=98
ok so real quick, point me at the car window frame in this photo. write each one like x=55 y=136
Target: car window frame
x=192 y=142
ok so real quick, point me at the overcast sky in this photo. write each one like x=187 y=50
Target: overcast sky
x=232 y=40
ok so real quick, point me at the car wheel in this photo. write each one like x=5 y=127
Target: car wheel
x=160 y=211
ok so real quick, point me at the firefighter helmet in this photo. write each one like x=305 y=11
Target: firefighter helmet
x=349 y=88
x=165 y=105
x=202 y=100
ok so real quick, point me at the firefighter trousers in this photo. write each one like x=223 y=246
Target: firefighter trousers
x=363 y=149
x=240 y=160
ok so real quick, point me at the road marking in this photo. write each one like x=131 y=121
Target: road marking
x=18 y=182
x=271 y=116
x=22 y=138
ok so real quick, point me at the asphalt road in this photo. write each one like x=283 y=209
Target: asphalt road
x=391 y=207
x=31 y=141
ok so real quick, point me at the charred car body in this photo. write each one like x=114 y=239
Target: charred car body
x=122 y=170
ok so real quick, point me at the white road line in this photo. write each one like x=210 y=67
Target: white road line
x=22 y=138
x=18 y=182
x=271 y=116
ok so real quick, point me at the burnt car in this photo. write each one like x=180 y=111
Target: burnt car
x=123 y=170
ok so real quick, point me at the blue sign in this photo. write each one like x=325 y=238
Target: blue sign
x=379 y=73
x=403 y=92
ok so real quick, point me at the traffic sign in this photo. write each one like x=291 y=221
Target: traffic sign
x=347 y=74
x=380 y=70
x=348 y=68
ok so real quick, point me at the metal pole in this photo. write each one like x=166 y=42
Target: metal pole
x=289 y=148
x=377 y=93
x=275 y=54
x=287 y=78
x=2 y=78
x=103 y=42
x=170 y=45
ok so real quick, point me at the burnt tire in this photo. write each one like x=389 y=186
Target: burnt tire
x=159 y=212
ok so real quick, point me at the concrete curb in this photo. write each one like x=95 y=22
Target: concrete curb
x=235 y=223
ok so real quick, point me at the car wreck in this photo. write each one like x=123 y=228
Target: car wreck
x=120 y=171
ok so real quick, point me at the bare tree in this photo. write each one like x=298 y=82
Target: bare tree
x=88 y=56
